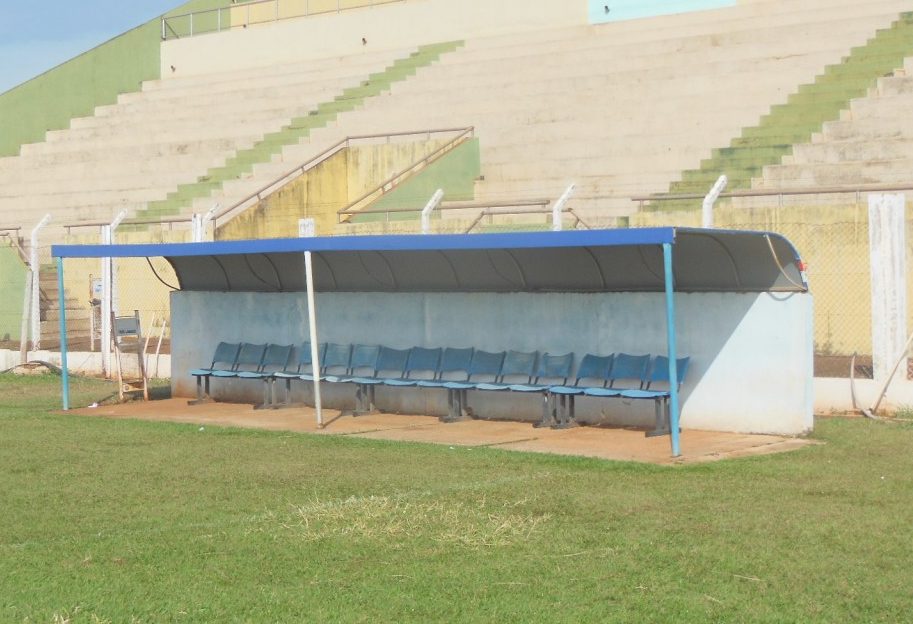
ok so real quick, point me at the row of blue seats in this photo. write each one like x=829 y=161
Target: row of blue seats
x=457 y=370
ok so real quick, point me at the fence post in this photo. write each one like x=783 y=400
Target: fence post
x=109 y=292
x=164 y=37
x=24 y=326
x=888 y=270
x=36 y=282
x=710 y=200
x=433 y=203
x=558 y=208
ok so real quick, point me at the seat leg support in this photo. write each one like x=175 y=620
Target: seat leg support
x=202 y=394
x=549 y=402
x=662 y=425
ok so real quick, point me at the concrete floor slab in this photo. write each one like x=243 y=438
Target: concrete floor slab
x=598 y=442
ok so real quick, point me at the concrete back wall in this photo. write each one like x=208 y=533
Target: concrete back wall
x=751 y=354
x=385 y=27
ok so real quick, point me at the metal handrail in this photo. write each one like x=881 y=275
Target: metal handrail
x=540 y=203
x=496 y=211
x=817 y=190
x=126 y=222
x=380 y=190
x=312 y=162
x=240 y=5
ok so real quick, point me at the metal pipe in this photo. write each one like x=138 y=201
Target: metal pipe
x=672 y=351
x=64 y=369
x=433 y=203
x=558 y=208
x=710 y=200
x=312 y=331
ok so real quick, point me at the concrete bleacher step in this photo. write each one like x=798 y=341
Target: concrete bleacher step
x=802 y=113
x=351 y=98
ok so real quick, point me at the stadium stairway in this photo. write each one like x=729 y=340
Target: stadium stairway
x=871 y=144
x=610 y=107
x=146 y=153
x=781 y=133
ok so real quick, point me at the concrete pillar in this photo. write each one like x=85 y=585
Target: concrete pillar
x=889 y=286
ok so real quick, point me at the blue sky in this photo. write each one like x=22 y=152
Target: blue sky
x=36 y=35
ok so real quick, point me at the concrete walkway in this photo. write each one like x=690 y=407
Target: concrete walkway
x=598 y=442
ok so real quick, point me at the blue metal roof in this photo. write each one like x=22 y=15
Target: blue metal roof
x=571 y=261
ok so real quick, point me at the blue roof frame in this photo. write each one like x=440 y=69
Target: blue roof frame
x=410 y=242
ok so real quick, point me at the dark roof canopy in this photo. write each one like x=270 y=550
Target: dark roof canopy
x=572 y=261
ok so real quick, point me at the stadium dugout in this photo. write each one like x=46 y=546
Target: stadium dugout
x=735 y=302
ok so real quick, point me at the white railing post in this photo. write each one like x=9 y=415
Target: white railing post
x=206 y=220
x=109 y=291
x=558 y=208
x=164 y=36
x=219 y=19
x=710 y=200
x=36 y=283
x=191 y=24
x=433 y=203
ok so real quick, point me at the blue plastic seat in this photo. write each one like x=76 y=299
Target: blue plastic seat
x=593 y=373
x=551 y=368
x=518 y=368
x=250 y=359
x=298 y=369
x=625 y=367
x=421 y=360
x=224 y=358
x=370 y=367
x=337 y=362
x=484 y=364
x=454 y=362
x=274 y=360
x=659 y=374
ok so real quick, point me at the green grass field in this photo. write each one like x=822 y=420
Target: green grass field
x=122 y=521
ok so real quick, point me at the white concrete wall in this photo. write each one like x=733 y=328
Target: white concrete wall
x=392 y=26
x=751 y=354
x=89 y=363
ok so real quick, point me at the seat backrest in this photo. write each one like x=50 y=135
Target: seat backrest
x=659 y=372
x=336 y=356
x=424 y=360
x=276 y=357
x=364 y=357
x=456 y=361
x=304 y=356
x=519 y=364
x=393 y=360
x=250 y=358
x=557 y=367
x=226 y=353
x=595 y=368
x=486 y=364
x=629 y=367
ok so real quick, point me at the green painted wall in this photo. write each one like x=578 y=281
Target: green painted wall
x=95 y=78
x=455 y=173
x=12 y=287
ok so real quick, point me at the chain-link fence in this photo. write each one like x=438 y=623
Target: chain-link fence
x=830 y=232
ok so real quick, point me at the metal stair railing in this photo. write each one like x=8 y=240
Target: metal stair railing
x=356 y=207
x=228 y=213
x=215 y=23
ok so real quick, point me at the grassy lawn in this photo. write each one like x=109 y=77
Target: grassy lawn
x=119 y=521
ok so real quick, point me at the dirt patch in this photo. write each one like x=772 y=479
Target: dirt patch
x=624 y=444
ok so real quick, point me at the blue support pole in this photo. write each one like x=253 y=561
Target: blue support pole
x=64 y=371
x=673 y=361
